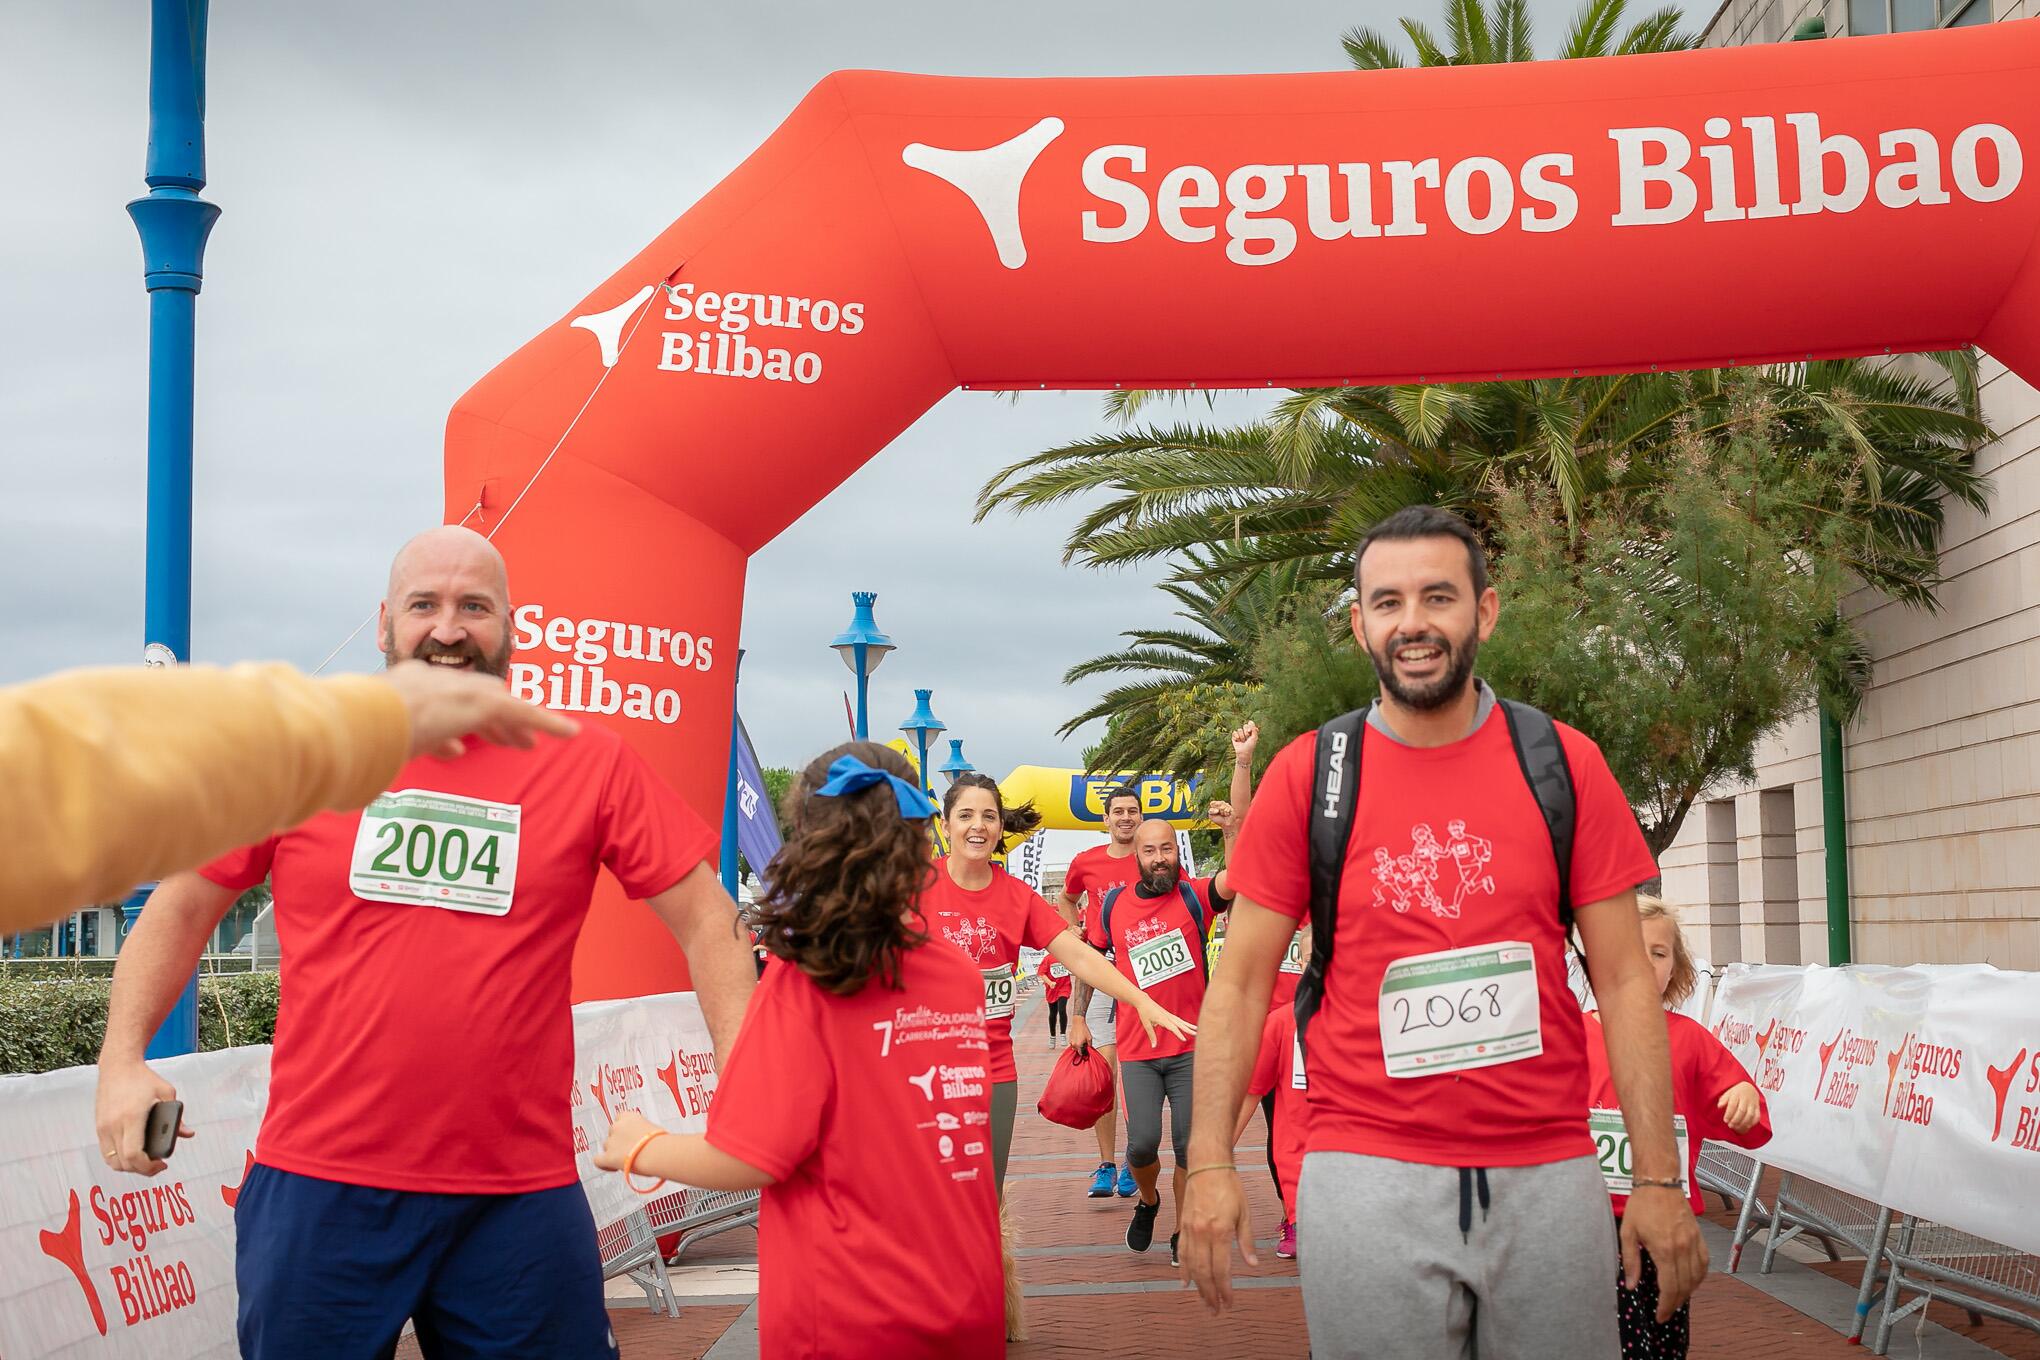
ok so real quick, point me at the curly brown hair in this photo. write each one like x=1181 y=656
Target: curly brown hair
x=842 y=884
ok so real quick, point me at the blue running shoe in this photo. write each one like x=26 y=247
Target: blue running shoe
x=1101 y=1181
x=1126 y=1185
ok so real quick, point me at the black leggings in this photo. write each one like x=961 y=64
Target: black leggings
x=1268 y=1109
x=1058 y=1016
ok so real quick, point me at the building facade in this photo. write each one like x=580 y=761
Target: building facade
x=1943 y=760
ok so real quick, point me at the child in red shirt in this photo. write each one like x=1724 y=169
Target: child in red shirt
x=1712 y=1097
x=857 y=1097
x=1055 y=989
x=1278 y=1076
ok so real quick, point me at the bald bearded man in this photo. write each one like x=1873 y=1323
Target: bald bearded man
x=414 y=1162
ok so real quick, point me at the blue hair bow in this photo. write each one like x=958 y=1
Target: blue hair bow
x=850 y=775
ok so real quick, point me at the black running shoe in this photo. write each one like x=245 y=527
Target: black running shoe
x=1140 y=1234
x=1174 y=1259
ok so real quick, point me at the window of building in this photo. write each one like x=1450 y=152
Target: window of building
x=1779 y=841
x=1724 y=888
x=1909 y=16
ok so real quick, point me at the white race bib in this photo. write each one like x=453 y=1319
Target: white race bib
x=1293 y=961
x=1460 y=1009
x=999 y=992
x=1159 y=959
x=1611 y=1145
x=1057 y=972
x=417 y=847
x=1297 y=1081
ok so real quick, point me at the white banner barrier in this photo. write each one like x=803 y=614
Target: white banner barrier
x=1916 y=1088
x=99 y=1263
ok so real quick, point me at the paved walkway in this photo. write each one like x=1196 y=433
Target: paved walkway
x=1088 y=1296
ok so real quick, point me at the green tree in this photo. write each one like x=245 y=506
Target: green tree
x=1478 y=36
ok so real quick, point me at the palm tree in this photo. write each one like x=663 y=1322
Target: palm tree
x=1171 y=664
x=1477 y=37
x=1301 y=486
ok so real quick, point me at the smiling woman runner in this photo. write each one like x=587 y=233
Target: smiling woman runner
x=990 y=916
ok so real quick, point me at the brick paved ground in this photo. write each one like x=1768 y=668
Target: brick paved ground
x=1084 y=1287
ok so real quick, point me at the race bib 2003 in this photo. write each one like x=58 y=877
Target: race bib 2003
x=1159 y=959
x=1460 y=1009
x=421 y=848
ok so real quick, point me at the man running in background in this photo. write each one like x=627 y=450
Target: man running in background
x=1092 y=874
x=414 y=1161
x=1156 y=931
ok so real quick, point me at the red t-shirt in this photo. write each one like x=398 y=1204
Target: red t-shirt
x=1056 y=982
x=1449 y=851
x=405 y=1029
x=1174 y=977
x=1702 y=1070
x=1095 y=872
x=990 y=926
x=1277 y=1068
x=872 y=1113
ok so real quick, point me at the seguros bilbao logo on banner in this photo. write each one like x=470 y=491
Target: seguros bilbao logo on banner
x=1912 y=1068
x=2015 y=1091
x=139 y=1228
x=579 y=683
x=1255 y=206
x=732 y=341
x=1836 y=1084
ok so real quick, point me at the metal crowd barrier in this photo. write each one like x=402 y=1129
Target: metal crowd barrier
x=1979 y=1276
x=1733 y=1174
x=630 y=1246
x=1910 y=1256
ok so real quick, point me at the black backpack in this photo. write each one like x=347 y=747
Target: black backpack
x=1190 y=900
x=1335 y=790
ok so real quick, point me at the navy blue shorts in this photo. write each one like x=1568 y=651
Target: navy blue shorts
x=335 y=1270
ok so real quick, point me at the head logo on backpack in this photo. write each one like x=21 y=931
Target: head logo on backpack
x=1335 y=791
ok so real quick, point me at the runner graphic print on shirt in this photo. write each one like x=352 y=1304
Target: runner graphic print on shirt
x=1412 y=880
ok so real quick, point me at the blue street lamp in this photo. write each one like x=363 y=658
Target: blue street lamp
x=862 y=647
x=923 y=727
x=173 y=222
x=956 y=764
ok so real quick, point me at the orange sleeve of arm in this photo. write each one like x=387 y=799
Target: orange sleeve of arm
x=111 y=777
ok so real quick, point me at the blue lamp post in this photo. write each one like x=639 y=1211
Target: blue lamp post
x=862 y=647
x=923 y=727
x=173 y=222
x=956 y=764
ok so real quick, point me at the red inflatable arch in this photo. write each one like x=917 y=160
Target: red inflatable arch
x=900 y=236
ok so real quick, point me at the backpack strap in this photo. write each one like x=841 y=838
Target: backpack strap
x=1334 y=792
x=1105 y=917
x=1195 y=907
x=1541 y=755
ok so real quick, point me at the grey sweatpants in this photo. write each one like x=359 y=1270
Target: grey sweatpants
x=1005 y=1104
x=1387 y=1273
x=1146 y=1082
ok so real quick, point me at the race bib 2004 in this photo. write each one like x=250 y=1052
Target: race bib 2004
x=421 y=848
x=1460 y=1009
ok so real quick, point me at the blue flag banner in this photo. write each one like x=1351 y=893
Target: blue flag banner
x=757 y=826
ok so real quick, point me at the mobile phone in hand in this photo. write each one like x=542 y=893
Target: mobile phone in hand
x=159 y=1135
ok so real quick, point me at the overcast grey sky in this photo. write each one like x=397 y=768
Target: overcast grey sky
x=413 y=190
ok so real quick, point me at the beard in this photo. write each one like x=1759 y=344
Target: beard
x=1432 y=694
x=1161 y=879
x=467 y=649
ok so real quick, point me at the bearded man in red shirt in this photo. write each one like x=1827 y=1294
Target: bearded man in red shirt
x=1449 y=1189
x=415 y=1161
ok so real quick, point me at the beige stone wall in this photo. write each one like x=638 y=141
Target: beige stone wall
x=1944 y=759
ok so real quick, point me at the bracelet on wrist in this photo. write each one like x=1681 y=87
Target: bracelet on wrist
x=1654 y=1183
x=1212 y=1166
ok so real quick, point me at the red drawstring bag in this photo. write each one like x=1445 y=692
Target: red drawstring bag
x=1079 y=1090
